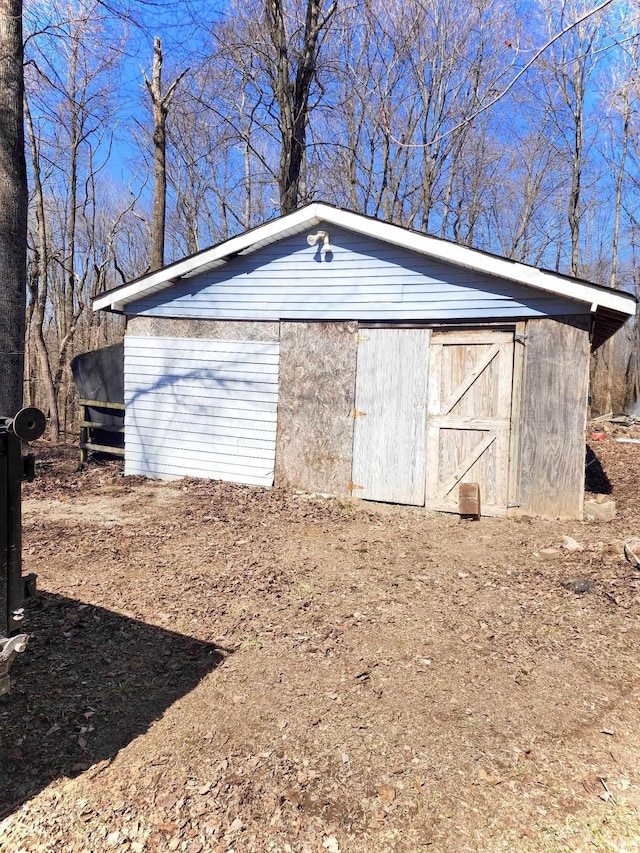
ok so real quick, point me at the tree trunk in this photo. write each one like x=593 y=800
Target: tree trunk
x=159 y=160
x=575 y=213
x=160 y=103
x=39 y=287
x=13 y=209
x=292 y=90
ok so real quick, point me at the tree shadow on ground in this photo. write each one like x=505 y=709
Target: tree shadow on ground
x=596 y=479
x=90 y=682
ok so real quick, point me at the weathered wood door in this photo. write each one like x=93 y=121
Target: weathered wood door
x=469 y=418
x=389 y=440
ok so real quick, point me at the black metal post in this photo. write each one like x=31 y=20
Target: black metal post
x=4 y=536
x=14 y=468
x=15 y=597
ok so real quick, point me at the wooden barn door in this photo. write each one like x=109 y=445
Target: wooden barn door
x=389 y=441
x=469 y=418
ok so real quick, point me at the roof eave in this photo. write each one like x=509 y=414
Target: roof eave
x=493 y=265
x=605 y=324
x=245 y=243
x=441 y=250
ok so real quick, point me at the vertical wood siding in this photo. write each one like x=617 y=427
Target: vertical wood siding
x=315 y=427
x=201 y=408
x=389 y=443
x=361 y=279
x=554 y=410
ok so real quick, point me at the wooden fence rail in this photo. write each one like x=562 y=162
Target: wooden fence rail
x=89 y=426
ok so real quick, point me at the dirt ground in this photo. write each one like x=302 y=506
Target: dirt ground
x=224 y=668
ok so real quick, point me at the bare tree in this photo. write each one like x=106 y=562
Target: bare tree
x=39 y=283
x=161 y=102
x=70 y=121
x=294 y=71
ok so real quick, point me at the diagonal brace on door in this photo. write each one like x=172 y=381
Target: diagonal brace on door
x=468 y=381
x=469 y=460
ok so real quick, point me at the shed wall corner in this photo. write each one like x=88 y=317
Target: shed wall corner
x=553 y=417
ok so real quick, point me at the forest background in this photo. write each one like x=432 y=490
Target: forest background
x=509 y=126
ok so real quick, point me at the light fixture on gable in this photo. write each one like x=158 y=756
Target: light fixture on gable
x=321 y=237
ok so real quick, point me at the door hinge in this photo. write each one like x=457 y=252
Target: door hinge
x=356 y=413
x=521 y=339
x=360 y=338
x=353 y=486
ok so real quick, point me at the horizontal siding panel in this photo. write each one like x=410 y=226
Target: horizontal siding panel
x=376 y=285
x=214 y=415
x=267 y=359
x=225 y=369
x=206 y=422
x=363 y=279
x=234 y=398
x=223 y=380
x=212 y=366
x=185 y=401
x=425 y=312
x=170 y=372
x=378 y=281
x=348 y=301
x=198 y=461
x=185 y=432
x=201 y=408
x=314 y=299
x=174 y=382
x=267 y=372
x=368 y=289
x=144 y=468
x=178 y=445
x=318 y=296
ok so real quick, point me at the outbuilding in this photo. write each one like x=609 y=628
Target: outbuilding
x=335 y=353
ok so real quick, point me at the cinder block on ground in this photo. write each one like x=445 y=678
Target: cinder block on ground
x=469 y=500
x=600 y=508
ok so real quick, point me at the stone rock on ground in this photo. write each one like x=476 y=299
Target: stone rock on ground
x=570 y=544
x=632 y=551
x=600 y=508
x=578 y=585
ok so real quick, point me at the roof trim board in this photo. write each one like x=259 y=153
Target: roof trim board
x=593 y=295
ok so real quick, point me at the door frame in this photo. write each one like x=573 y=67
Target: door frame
x=517 y=413
x=402 y=358
x=519 y=329
x=512 y=479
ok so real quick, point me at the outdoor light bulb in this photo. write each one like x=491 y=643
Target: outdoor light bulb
x=312 y=240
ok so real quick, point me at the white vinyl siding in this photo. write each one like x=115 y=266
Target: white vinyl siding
x=201 y=408
x=361 y=279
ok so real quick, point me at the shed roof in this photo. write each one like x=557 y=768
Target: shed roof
x=610 y=307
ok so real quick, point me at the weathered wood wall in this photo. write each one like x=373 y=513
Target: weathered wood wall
x=553 y=417
x=317 y=392
x=389 y=444
x=221 y=330
x=317 y=373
